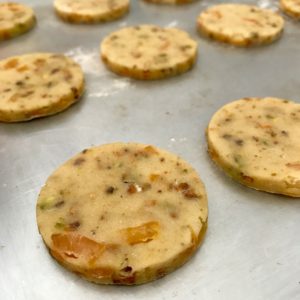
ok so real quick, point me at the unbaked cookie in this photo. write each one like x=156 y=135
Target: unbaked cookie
x=256 y=141
x=240 y=24
x=149 y=52
x=15 y=19
x=291 y=8
x=90 y=11
x=37 y=85
x=123 y=213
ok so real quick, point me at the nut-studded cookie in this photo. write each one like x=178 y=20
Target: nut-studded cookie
x=291 y=8
x=37 y=85
x=90 y=11
x=15 y=19
x=148 y=52
x=123 y=213
x=256 y=142
x=240 y=24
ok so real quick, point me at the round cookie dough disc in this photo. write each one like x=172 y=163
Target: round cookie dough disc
x=291 y=8
x=15 y=19
x=257 y=142
x=90 y=11
x=240 y=24
x=170 y=1
x=37 y=85
x=149 y=52
x=123 y=213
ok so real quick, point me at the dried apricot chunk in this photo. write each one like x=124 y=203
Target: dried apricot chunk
x=75 y=245
x=142 y=234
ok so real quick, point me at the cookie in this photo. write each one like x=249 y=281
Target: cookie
x=170 y=1
x=37 y=85
x=148 y=52
x=256 y=142
x=90 y=11
x=123 y=213
x=240 y=24
x=291 y=8
x=15 y=19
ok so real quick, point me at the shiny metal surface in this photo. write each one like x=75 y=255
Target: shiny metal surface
x=252 y=247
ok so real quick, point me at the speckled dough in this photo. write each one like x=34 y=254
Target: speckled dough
x=123 y=213
x=240 y=24
x=15 y=19
x=291 y=8
x=170 y=1
x=91 y=11
x=37 y=85
x=149 y=52
x=256 y=142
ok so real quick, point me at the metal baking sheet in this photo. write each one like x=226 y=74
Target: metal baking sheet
x=252 y=247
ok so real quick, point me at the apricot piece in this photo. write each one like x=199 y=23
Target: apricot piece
x=142 y=234
x=74 y=245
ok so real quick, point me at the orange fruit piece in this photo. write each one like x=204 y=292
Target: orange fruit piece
x=142 y=234
x=74 y=245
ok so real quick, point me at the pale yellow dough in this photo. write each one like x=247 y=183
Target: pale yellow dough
x=91 y=11
x=256 y=141
x=15 y=19
x=240 y=24
x=149 y=52
x=123 y=213
x=291 y=8
x=37 y=85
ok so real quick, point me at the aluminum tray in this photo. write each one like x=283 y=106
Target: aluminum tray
x=252 y=247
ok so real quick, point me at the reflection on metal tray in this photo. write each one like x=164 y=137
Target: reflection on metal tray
x=252 y=247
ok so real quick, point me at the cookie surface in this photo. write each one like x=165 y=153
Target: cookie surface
x=36 y=85
x=148 y=52
x=240 y=24
x=291 y=8
x=90 y=11
x=15 y=19
x=256 y=142
x=123 y=213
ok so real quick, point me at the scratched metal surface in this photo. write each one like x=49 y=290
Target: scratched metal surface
x=252 y=247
